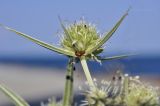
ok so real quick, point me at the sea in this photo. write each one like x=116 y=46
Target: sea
x=131 y=65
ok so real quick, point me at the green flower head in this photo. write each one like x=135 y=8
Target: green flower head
x=82 y=37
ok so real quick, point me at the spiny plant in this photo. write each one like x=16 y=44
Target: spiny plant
x=80 y=42
x=122 y=90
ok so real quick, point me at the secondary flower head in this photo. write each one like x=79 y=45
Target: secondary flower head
x=80 y=37
x=123 y=90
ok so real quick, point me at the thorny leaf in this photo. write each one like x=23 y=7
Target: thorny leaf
x=41 y=43
x=113 y=57
x=17 y=100
x=107 y=36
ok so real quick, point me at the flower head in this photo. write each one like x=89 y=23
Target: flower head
x=81 y=37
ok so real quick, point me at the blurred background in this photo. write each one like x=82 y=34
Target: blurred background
x=37 y=74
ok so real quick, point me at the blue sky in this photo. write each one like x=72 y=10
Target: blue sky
x=139 y=33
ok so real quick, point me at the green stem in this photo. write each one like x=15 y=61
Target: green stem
x=86 y=71
x=125 y=86
x=68 y=92
x=126 y=82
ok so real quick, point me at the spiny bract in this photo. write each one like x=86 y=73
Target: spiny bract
x=82 y=36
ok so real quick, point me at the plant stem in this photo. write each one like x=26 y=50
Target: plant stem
x=126 y=81
x=125 y=86
x=86 y=71
x=68 y=92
